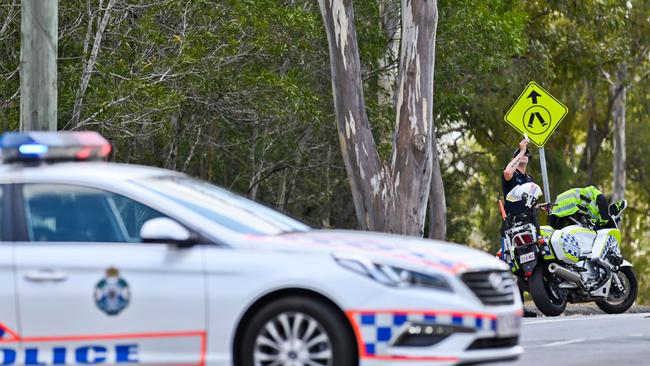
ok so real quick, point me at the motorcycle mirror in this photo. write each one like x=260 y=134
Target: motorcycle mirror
x=617 y=207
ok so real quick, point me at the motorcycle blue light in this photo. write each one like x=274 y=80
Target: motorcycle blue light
x=33 y=149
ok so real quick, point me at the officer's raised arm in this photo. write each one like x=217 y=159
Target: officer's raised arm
x=509 y=171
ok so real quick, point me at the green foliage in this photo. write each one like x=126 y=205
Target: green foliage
x=239 y=92
x=476 y=42
x=574 y=50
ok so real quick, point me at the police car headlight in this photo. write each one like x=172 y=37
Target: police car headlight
x=393 y=276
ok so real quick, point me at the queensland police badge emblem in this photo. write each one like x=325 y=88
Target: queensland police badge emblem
x=112 y=293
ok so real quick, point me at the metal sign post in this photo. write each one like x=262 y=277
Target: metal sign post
x=542 y=161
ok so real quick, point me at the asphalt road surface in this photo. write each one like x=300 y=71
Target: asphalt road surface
x=585 y=341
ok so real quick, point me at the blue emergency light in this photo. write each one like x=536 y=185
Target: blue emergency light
x=53 y=146
x=32 y=149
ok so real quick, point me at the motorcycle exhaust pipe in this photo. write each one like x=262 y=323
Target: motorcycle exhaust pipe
x=565 y=273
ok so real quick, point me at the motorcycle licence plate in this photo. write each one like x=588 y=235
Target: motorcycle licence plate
x=527 y=257
x=508 y=325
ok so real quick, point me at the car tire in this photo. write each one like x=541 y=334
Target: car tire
x=545 y=300
x=278 y=332
x=622 y=306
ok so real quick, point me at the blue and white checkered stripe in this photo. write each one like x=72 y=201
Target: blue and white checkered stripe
x=611 y=246
x=570 y=245
x=377 y=329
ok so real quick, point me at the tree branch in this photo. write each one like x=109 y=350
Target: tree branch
x=90 y=64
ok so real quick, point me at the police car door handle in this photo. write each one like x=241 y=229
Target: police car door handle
x=46 y=275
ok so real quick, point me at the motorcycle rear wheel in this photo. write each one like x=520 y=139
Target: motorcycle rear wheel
x=619 y=304
x=545 y=294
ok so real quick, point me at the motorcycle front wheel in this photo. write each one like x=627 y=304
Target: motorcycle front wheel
x=620 y=300
x=545 y=293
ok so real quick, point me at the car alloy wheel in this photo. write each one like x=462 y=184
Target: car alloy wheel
x=296 y=330
x=293 y=339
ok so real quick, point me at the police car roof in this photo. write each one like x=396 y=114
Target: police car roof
x=80 y=170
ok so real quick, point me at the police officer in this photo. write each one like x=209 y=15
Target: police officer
x=588 y=202
x=513 y=175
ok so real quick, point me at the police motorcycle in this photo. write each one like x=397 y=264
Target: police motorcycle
x=576 y=263
x=522 y=245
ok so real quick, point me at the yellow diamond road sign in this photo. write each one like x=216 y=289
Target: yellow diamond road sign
x=536 y=113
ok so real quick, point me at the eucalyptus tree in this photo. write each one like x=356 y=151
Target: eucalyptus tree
x=388 y=195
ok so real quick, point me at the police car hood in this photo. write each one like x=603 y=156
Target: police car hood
x=390 y=249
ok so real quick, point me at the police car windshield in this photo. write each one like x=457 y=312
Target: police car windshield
x=223 y=207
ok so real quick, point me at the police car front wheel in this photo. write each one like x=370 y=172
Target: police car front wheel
x=297 y=331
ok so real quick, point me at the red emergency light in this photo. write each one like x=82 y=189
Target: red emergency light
x=53 y=146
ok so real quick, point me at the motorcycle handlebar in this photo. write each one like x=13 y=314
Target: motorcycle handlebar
x=545 y=206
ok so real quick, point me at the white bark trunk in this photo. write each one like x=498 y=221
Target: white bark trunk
x=388 y=197
x=437 y=200
x=192 y=150
x=358 y=147
x=618 y=115
x=412 y=155
x=390 y=14
x=89 y=64
x=170 y=163
x=257 y=167
x=11 y=12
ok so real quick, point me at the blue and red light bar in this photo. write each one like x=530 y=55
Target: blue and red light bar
x=53 y=146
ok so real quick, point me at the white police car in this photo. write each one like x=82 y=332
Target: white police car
x=104 y=263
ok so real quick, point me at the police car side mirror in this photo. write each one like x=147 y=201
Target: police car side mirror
x=167 y=231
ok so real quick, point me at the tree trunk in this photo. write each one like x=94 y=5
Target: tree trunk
x=587 y=163
x=412 y=157
x=190 y=155
x=390 y=14
x=387 y=197
x=358 y=147
x=172 y=156
x=89 y=64
x=597 y=132
x=258 y=167
x=10 y=15
x=327 y=220
x=437 y=201
x=618 y=115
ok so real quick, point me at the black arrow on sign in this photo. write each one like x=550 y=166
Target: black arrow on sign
x=533 y=95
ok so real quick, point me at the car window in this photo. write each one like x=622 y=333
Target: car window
x=68 y=213
x=223 y=207
x=133 y=215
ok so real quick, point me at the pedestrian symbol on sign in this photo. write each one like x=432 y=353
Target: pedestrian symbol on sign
x=536 y=113
x=539 y=120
